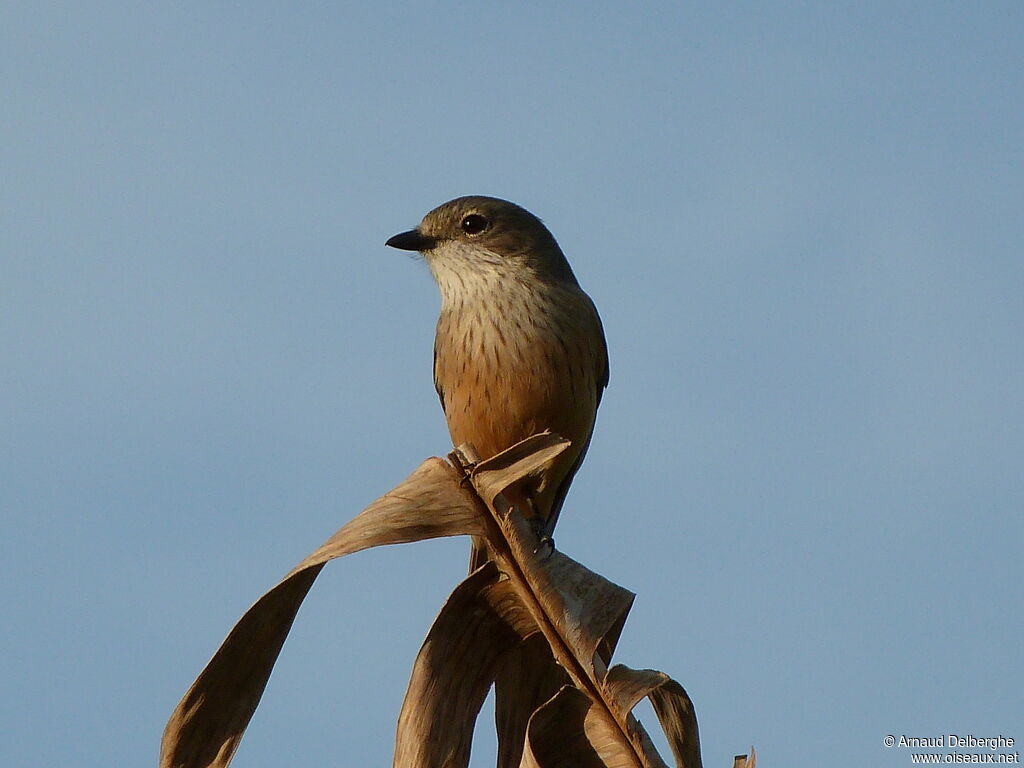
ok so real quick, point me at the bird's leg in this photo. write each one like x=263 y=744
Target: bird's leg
x=465 y=458
x=523 y=499
x=540 y=526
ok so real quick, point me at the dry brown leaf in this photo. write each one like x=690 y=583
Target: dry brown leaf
x=671 y=703
x=572 y=730
x=584 y=608
x=516 y=465
x=452 y=674
x=504 y=600
x=527 y=677
x=208 y=723
x=576 y=610
x=611 y=736
x=544 y=620
x=580 y=614
x=431 y=503
x=557 y=737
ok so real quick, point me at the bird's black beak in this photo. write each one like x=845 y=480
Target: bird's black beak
x=413 y=240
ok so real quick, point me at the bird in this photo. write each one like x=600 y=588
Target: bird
x=519 y=346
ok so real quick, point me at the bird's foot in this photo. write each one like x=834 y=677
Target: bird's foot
x=545 y=541
x=545 y=544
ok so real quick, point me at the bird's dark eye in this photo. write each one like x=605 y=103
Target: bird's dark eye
x=474 y=224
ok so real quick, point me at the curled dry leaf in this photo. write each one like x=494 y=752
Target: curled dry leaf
x=530 y=621
x=452 y=675
x=207 y=725
x=527 y=677
x=557 y=734
x=573 y=727
x=671 y=704
x=580 y=615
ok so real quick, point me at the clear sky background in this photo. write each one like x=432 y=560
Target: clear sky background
x=803 y=225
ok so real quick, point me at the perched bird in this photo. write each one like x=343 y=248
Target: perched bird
x=519 y=346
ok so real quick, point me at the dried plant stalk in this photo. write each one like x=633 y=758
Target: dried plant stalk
x=540 y=624
x=579 y=612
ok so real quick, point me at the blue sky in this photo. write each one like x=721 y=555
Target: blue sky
x=802 y=224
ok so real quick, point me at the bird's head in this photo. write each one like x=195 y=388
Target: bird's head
x=485 y=235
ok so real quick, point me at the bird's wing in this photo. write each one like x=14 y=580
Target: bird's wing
x=437 y=379
x=442 y=327
x=601 y=379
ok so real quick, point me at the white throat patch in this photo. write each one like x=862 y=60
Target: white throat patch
x=465 y=272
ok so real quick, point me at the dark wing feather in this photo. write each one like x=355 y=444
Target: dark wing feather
x=437 y=379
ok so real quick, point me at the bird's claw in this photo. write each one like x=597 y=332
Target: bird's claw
x=545 y=542
x=544 y=538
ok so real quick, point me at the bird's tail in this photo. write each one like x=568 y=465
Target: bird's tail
x=479 y=554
